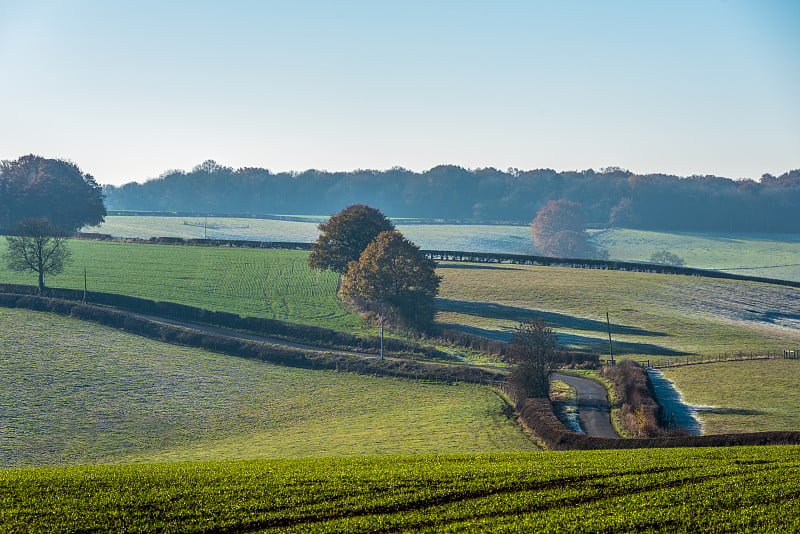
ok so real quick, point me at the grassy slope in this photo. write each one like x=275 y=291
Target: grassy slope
x=74 y=392
x=651 y=314
x=748 y=396
x=276 y=284
x=770 y=256
x=688 y=490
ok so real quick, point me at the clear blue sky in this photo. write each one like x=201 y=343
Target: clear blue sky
x=128 y=90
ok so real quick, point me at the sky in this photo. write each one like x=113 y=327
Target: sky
x=130 y=90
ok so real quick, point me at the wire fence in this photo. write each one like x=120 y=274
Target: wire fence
x=790 y=354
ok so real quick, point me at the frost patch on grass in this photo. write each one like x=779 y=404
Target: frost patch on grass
x=676 y=410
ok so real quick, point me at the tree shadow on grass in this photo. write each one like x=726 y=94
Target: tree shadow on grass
x=574 y=342
x=554 y=320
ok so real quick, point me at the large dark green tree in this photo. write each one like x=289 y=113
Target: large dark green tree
x=345 y=236
x=37 y=247
x=392 y=270
x=33 y=187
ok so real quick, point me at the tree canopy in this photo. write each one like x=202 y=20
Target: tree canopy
x=38 y=248
x=345 y=236
x=393 y=270
x=559 y=229
x=33 y=187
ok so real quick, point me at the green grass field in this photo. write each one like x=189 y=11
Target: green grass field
x=473 y=237
x=651 y=314
x=766 y=255
x=746 y=396
x=276 y=284
x=667 y=490
x=73 y=392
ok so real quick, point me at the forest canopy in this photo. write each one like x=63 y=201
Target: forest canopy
x=611 y=196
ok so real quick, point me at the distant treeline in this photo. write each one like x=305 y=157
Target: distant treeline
x=612 y=196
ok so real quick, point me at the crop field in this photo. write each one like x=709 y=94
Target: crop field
x=651 y=315
x=661 y=490
x=73 y=392
x=746 y=396
x=276 y=284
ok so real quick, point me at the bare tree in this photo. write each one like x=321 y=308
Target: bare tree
x=37 y=247
x=532 y=349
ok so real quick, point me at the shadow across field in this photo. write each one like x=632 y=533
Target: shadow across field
x=477 y=266
x=593 y=344
x=728 y=411
x=553 y=319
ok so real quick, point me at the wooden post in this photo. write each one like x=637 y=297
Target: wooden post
x=610 y=346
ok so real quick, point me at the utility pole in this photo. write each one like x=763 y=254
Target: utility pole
x=84 y=284
x=383 y=307
x=610 y=346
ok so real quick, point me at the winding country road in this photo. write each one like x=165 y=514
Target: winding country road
x=593 y=411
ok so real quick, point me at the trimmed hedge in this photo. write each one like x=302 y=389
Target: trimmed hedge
x=298 y=333
x=639 y=411
x=537 y=414
x=234 y=346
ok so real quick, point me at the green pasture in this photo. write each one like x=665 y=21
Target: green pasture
x=651 y=315
x=738 y=489
x=743 y=396
x=764 y=255
x=472 y=237
x=276 y=284
x=145 y=227
x=73 y=392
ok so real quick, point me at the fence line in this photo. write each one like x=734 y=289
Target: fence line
x=739 y=356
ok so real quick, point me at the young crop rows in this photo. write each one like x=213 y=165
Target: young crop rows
x=688 y=490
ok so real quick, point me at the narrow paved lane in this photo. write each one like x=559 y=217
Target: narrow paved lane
x=593 y=411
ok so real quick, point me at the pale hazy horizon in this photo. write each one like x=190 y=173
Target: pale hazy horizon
x=129 y=91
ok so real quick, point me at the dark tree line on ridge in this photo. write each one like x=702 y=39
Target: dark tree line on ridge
x=613 y=196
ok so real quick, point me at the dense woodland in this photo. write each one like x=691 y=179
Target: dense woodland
x=612 y=196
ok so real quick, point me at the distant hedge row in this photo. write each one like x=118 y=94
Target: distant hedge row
x=520 y=259
x=312 y=335
x=234 y=346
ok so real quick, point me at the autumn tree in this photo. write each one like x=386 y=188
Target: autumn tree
x=532 y=349
x=38 y=247
x=33 y=187
x=559 y=229
x=345 y=236
x=392 y=270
